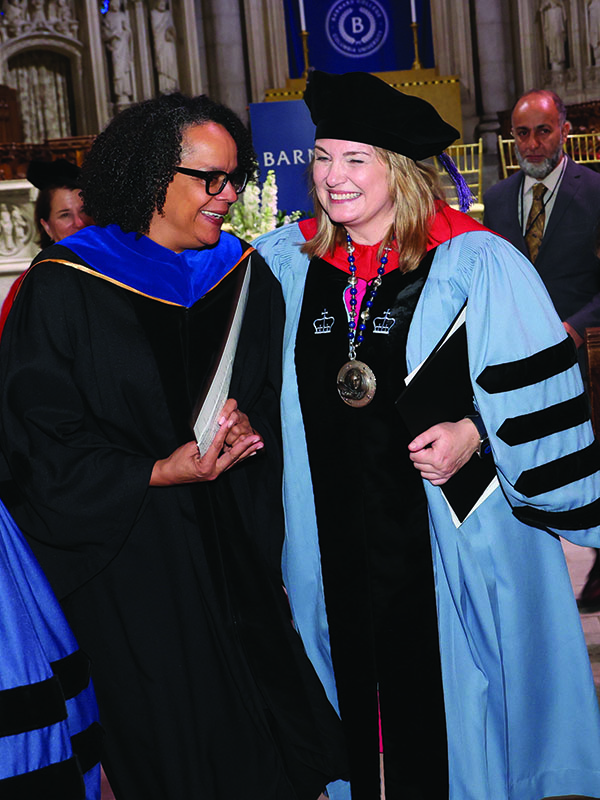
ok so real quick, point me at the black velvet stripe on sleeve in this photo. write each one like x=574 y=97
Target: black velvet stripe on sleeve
x=527 y=371
x=73 y=672
x=27 y=708
x=559 y=472
x=559 y=417
x=576 y=519
x=60 y=781
x=87 y=746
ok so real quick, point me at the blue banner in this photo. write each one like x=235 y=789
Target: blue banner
x=283 y=136
x=358 y=35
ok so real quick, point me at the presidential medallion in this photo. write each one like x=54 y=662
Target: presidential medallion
x=356 y=384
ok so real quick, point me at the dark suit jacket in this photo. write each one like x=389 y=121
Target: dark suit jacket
x=567 y=260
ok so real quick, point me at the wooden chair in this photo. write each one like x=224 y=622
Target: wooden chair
x=506 y=157
x=592 y=348
x=11 y=129
x=73 y=148
x=15 y=156
x=469 y=160
x=584 y=148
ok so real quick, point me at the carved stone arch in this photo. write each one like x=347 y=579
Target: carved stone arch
x=37 y=45
x=44 y=41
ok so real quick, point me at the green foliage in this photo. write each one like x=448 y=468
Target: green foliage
x=256 y=211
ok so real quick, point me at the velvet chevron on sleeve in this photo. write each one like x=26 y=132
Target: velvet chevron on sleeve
x=175 y=592
x=521 y=712
x=50 y=737
x=506 y=609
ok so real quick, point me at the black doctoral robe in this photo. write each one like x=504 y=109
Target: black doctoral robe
x=374 y=540
x=174 y=592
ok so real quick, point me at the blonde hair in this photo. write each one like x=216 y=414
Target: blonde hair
x=414 y=188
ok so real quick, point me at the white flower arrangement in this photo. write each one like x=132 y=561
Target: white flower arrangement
x=256 y=211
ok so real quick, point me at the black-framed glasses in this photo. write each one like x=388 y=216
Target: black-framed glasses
x=216 y=180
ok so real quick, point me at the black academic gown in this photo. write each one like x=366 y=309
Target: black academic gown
x=174 y=592
x=374 y=542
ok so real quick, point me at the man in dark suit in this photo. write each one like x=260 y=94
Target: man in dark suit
x=550 y=211
x=565 y=250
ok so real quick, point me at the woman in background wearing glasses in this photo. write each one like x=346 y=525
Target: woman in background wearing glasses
x=165 y=560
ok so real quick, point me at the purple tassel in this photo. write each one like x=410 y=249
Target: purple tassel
x=463 y=193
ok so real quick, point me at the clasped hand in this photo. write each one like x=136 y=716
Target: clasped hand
x=234 y=441
x=440 y=451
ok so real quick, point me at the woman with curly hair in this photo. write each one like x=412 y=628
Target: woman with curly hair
x=166 y=556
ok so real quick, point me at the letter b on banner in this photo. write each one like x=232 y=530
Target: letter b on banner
x=357 y=25
x=365 y=35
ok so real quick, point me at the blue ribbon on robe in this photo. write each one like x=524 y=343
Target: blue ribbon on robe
x=142 y=264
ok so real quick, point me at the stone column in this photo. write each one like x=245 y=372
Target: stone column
x=453 y=48
x=95 y=82
x=225 y=54
x=192 y=68
x=496 y=72
x=145 y=72
x=267 y=50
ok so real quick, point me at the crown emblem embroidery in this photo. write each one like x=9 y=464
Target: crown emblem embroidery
x=383 y=324
x=324 y=324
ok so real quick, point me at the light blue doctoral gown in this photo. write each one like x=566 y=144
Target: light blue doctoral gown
x=521 y=709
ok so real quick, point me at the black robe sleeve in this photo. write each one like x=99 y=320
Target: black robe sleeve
x=70 y=432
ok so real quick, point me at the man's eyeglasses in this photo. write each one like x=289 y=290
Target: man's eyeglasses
x=215 y=180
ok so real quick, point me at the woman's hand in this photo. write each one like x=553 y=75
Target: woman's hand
x=240 y=424
x=439 y=452
x=234 y=441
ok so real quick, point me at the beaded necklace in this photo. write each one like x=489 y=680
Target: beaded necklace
x=356 y=382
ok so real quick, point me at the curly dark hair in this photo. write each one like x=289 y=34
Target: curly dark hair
x=126 y=174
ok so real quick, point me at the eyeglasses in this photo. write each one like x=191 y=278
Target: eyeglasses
x=216 y=181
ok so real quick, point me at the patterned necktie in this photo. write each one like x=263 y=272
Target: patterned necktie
x=534 y=232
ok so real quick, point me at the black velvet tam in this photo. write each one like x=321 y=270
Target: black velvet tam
x=51 y=174
x=359 y=107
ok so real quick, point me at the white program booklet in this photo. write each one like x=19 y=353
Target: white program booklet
x=207 y=421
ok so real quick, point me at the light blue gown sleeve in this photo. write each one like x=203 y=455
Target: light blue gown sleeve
x=529 y=391
x=521 y=710
x=526 y=382
x=301 y=561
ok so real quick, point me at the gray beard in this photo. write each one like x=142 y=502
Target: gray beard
x=539 y=171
